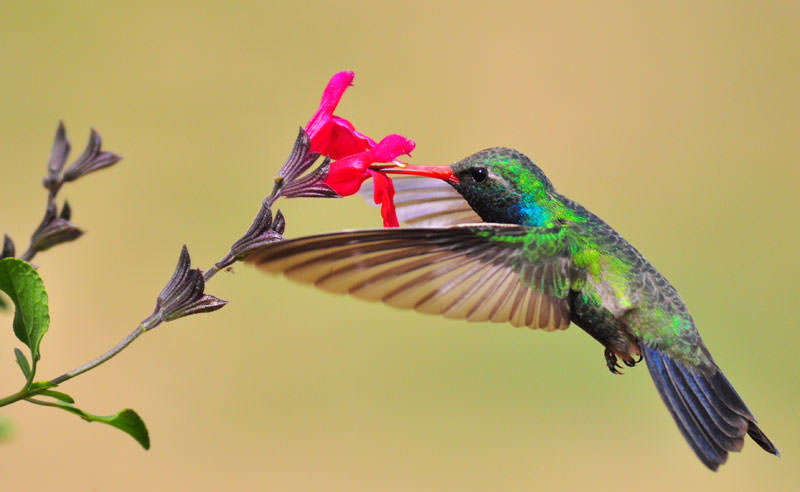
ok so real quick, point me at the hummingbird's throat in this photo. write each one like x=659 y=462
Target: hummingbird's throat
x=440 y=172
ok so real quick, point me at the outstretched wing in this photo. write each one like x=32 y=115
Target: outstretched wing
x=425 y=202
x=475 y=272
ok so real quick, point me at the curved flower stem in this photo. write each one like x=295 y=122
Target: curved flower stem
x=149 y=323
x=217 y=267
x=28 y=254
x=276 y=190
x=213 y=270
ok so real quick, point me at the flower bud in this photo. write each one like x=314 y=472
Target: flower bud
x=184 y=293
x=262 y=231
x=93 y=159
x=54 y=229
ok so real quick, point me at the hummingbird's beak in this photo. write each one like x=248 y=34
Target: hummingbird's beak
x=440 y=172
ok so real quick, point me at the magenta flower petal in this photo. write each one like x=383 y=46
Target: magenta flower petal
x=330 y=99
x=391 y=147
x=345 y=140
x=383 y=194
x=346 y=175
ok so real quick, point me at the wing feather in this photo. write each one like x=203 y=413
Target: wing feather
x=523 y=291
x=474 y=294
x=486 y=305
x=456 y=271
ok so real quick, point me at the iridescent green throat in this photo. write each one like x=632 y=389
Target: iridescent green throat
x=537 y=205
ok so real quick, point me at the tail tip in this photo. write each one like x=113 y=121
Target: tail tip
x=757 y=435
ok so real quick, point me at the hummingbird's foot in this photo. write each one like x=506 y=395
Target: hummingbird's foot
x=632 y=362
x=611 y=362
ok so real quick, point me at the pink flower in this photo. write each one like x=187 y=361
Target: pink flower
x=346 y=175
x=356 y=157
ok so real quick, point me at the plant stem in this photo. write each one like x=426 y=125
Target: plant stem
x=28 y=254
x=26 y=392
x=226 y=261
x=277 y=188
x=210 y=272
x=43 y=403
x=145 y=325
x=19 y=395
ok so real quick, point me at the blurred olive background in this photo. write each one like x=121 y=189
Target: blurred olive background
x=677 y=123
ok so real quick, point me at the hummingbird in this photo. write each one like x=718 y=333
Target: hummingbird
x=492 y=240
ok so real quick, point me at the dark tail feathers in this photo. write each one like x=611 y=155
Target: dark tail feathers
x=709 y=413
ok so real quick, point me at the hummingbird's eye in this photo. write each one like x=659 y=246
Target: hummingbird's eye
x=479 y=174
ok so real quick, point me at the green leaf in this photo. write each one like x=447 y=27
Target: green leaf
x=24 y=286
x=126 y=420
x=2 y=304
x=22 y=361
x=58 y=395
x=41 y=385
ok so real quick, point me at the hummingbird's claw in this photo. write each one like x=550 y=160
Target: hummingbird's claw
x=630 y=361
x=611 y=362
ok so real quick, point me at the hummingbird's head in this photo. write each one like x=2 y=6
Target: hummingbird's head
x=503 y=185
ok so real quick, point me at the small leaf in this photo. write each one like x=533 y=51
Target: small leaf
x=129 y=422
x=22 y=361
x=58 y=396
x=41 y=385
x=24 y=286
x=126 y=420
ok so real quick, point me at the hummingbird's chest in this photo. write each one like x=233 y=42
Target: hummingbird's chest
x=610 y=294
